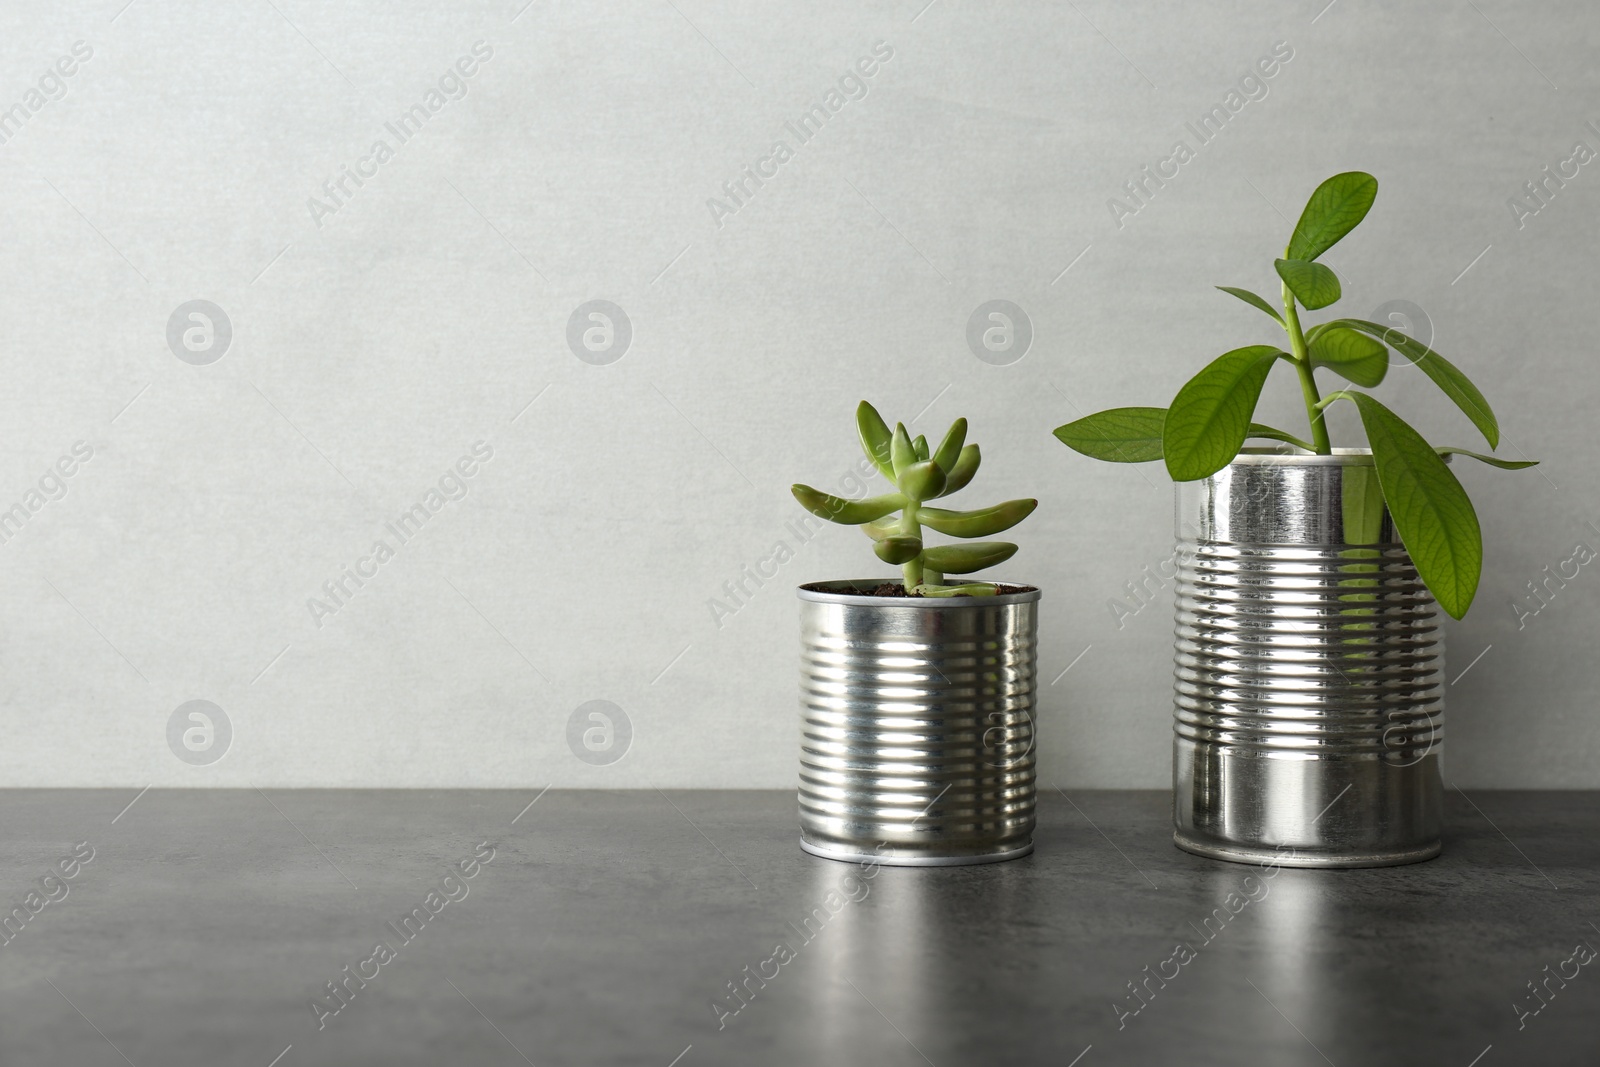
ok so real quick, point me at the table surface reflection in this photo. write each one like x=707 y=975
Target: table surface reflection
x=226 y=927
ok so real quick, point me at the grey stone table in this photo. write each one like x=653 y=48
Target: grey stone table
x=605 y=928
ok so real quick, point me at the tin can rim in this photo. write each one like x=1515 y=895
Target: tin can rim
x=838 y=592
x=1291 y=456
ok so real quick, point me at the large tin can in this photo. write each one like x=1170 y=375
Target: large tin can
x=1309 y=693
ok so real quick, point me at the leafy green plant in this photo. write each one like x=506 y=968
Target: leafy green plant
x=1208 y=422
x=895 y=520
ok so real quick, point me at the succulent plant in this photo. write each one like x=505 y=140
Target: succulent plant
x=895 y=520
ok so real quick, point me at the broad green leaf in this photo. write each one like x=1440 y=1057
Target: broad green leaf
x=950 y=448
x=1121 y=435
x=965 y=589
x=874 y=434
x=1431 y=511
x=964 y=559
x=846 y=512
x=922 y=481
x=1259 y=430
x=1314 y=285
x=966 y=466
x=1361 y=504
x=1442 y=371
x=920 y=447
x=980 y=523
x=1354 y=356
x=1206 y=425
x=902 y=453
x=1493 y=461
x=1336 y=207
x=1253 y=300
x=901 y=548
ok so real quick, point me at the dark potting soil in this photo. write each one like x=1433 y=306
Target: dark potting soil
x=895 y=590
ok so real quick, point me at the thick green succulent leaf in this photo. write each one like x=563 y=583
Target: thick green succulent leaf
x=1431 y=511
x=966 y=466
x=1352 y=355
x=1206 y=425
x=1313 y=284
x=920 y=447
x=1120 y=435
x=1493 y=461
x=982 y=522
x=950 y=448
x=964 y=559
x=1444 y=374
x=1253 y=300
x=901 y=548
x=902 y=453
x=922 y=481
x=878 y=529
x=1336 y=207
x=874 y=434
x=846 y=512
x=965 y=589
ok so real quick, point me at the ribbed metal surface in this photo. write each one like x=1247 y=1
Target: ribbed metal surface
x=918 y=730
x=1309 y=687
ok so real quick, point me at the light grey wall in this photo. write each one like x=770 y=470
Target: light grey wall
x=378 y=338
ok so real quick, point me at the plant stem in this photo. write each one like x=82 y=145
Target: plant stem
x=911 y=570
x=1321 y=442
